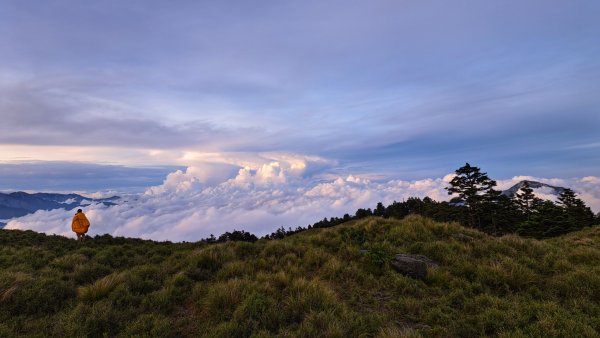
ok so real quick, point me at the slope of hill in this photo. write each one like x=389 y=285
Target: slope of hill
x=17 y=204
x=317 y=283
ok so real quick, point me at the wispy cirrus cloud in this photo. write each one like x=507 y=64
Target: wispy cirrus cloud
x=54 y=114
x=65 y=176
x=393 y=87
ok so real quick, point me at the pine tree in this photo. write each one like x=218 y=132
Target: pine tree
x=576 y=214
x=472 y=186
x=568 y=199
x=492 y=209
x=379 y=210
x=526 y=200
x=547 y=221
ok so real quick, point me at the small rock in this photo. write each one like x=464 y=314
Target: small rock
x=363 y=251
x=414 y=266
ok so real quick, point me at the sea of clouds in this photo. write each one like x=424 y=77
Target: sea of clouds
x=258 y=194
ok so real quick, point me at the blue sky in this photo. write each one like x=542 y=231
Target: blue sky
x=117 y=94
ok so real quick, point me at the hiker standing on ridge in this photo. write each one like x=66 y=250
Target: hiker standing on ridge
x=80 y=225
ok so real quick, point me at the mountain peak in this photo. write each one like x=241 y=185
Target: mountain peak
x=19 y=203
x=510 y=192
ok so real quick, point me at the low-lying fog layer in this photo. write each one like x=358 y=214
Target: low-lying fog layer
x=283 y=191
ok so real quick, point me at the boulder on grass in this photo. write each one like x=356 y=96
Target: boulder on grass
x=414 y=266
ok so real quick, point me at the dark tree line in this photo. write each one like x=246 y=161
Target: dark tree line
x=489 y=210
x=236 y=235
x=476 y=204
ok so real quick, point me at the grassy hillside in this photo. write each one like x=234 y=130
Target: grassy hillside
x=313 y=284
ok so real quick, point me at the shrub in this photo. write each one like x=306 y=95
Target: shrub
x=93 y=320
x=42 y=295
x=123 y=299
x=144 y=279
x=377 y=259
x=203 y=265
x=356 y=236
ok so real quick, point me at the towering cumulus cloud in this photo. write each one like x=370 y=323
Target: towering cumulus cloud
x=254 y=193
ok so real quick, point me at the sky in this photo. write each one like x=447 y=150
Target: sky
x=283 y=97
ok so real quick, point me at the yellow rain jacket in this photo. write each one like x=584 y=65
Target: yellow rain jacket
x=80 y=223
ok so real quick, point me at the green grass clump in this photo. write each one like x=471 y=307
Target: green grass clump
x=318 y=283
x=100 y=288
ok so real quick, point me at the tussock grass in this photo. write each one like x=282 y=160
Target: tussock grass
x=314 y=284
x=19 y=278
x=222 y=299
x=101 y=287
x=396 y=332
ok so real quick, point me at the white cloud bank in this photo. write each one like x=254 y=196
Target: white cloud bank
x=256 y=194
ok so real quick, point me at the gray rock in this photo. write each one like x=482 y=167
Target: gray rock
x=414 y=266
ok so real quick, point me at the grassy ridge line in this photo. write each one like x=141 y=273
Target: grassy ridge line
x=313 y=284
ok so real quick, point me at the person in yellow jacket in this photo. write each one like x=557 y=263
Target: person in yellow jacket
x=80 y=225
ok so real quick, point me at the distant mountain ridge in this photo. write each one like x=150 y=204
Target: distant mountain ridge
x=510 y=192
x=17 y=204
x=20 y=203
